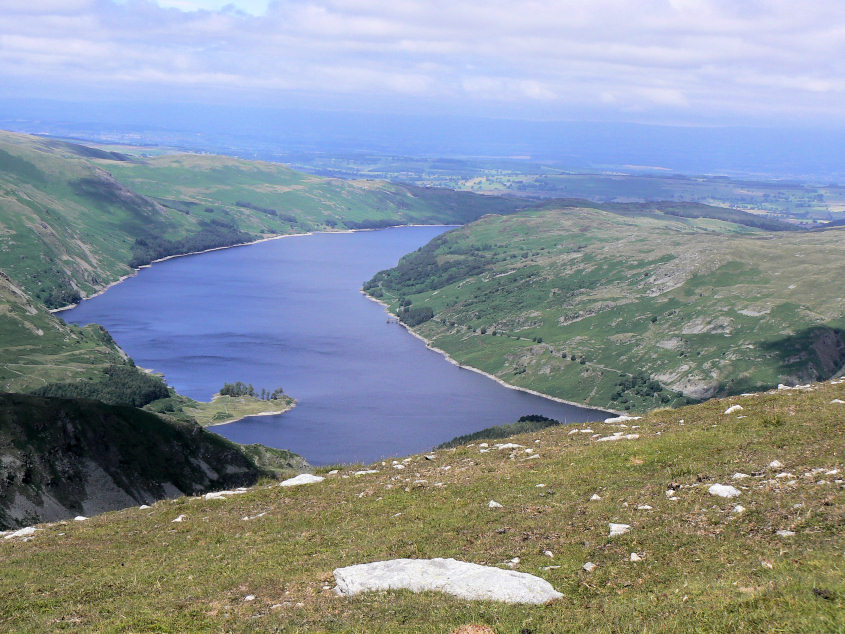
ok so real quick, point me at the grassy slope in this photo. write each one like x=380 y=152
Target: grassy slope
x=65 y=224
x=701 y=305
x=705 y=567
x=37 y=348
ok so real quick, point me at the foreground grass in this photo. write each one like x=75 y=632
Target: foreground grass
x=705 y=567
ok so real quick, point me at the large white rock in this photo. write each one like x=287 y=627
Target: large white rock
x=302 y=478
x=621 y=419
x=461 y=579
x=21 y=532
x=723 y=490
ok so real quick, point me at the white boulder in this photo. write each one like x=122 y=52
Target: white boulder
x=302 y=478
x=22 y=532
x=621 y=419
x=723 y=490
x=464 y=580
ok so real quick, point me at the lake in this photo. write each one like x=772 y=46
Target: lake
x=289 y=313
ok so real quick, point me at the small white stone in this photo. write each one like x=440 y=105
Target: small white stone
x=493 y=504
x=589 y=566
x=332 y=472
x=249 y=597
x=483 y=444
x=723 y=490
x=739 y=476
x=733 y=408
x=181 y=518
x=79 y=518
x=838 y=401
x=144 y=506
x=618 y=529
x=548 y=553
x=636 y=557
x=739 y=508
x=508 y=445
x=595 y=497
x=365 y=472
x=775 y=464
x=784 y=533
x=643 y=507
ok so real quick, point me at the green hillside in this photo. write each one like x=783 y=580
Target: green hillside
x=263 y=560
x=630 y=307
x=37 y=348
x=74 y=219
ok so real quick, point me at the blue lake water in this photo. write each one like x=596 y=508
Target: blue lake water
x=289 y=313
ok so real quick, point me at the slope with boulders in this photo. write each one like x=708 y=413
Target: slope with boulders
x=723 y=516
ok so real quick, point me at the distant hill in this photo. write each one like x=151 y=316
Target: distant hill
x=629 y=307
x=74 y=219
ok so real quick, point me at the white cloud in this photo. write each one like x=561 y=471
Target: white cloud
x=692 y=57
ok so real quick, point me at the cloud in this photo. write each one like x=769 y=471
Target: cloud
x=693 y=58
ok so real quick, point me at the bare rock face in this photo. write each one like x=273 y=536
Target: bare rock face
x=61 y=458
x=461 y=579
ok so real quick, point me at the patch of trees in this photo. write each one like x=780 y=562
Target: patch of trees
x=642 y=387
x=248 y=205
x=526 y=424
x=371 y=224
x=214 y=234
x=266 y=210
x=242 y=389
x=422 y=271
x=415 y=315
x=120 y=385
x=54 y=288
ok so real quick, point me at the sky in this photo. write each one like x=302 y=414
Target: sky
x=678 y=62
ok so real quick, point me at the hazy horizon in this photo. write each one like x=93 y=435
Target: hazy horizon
x=695 y=86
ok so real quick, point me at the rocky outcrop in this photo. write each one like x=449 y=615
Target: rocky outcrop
x=60 y=458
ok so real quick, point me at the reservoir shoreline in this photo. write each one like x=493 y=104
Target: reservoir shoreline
x=493 y=377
